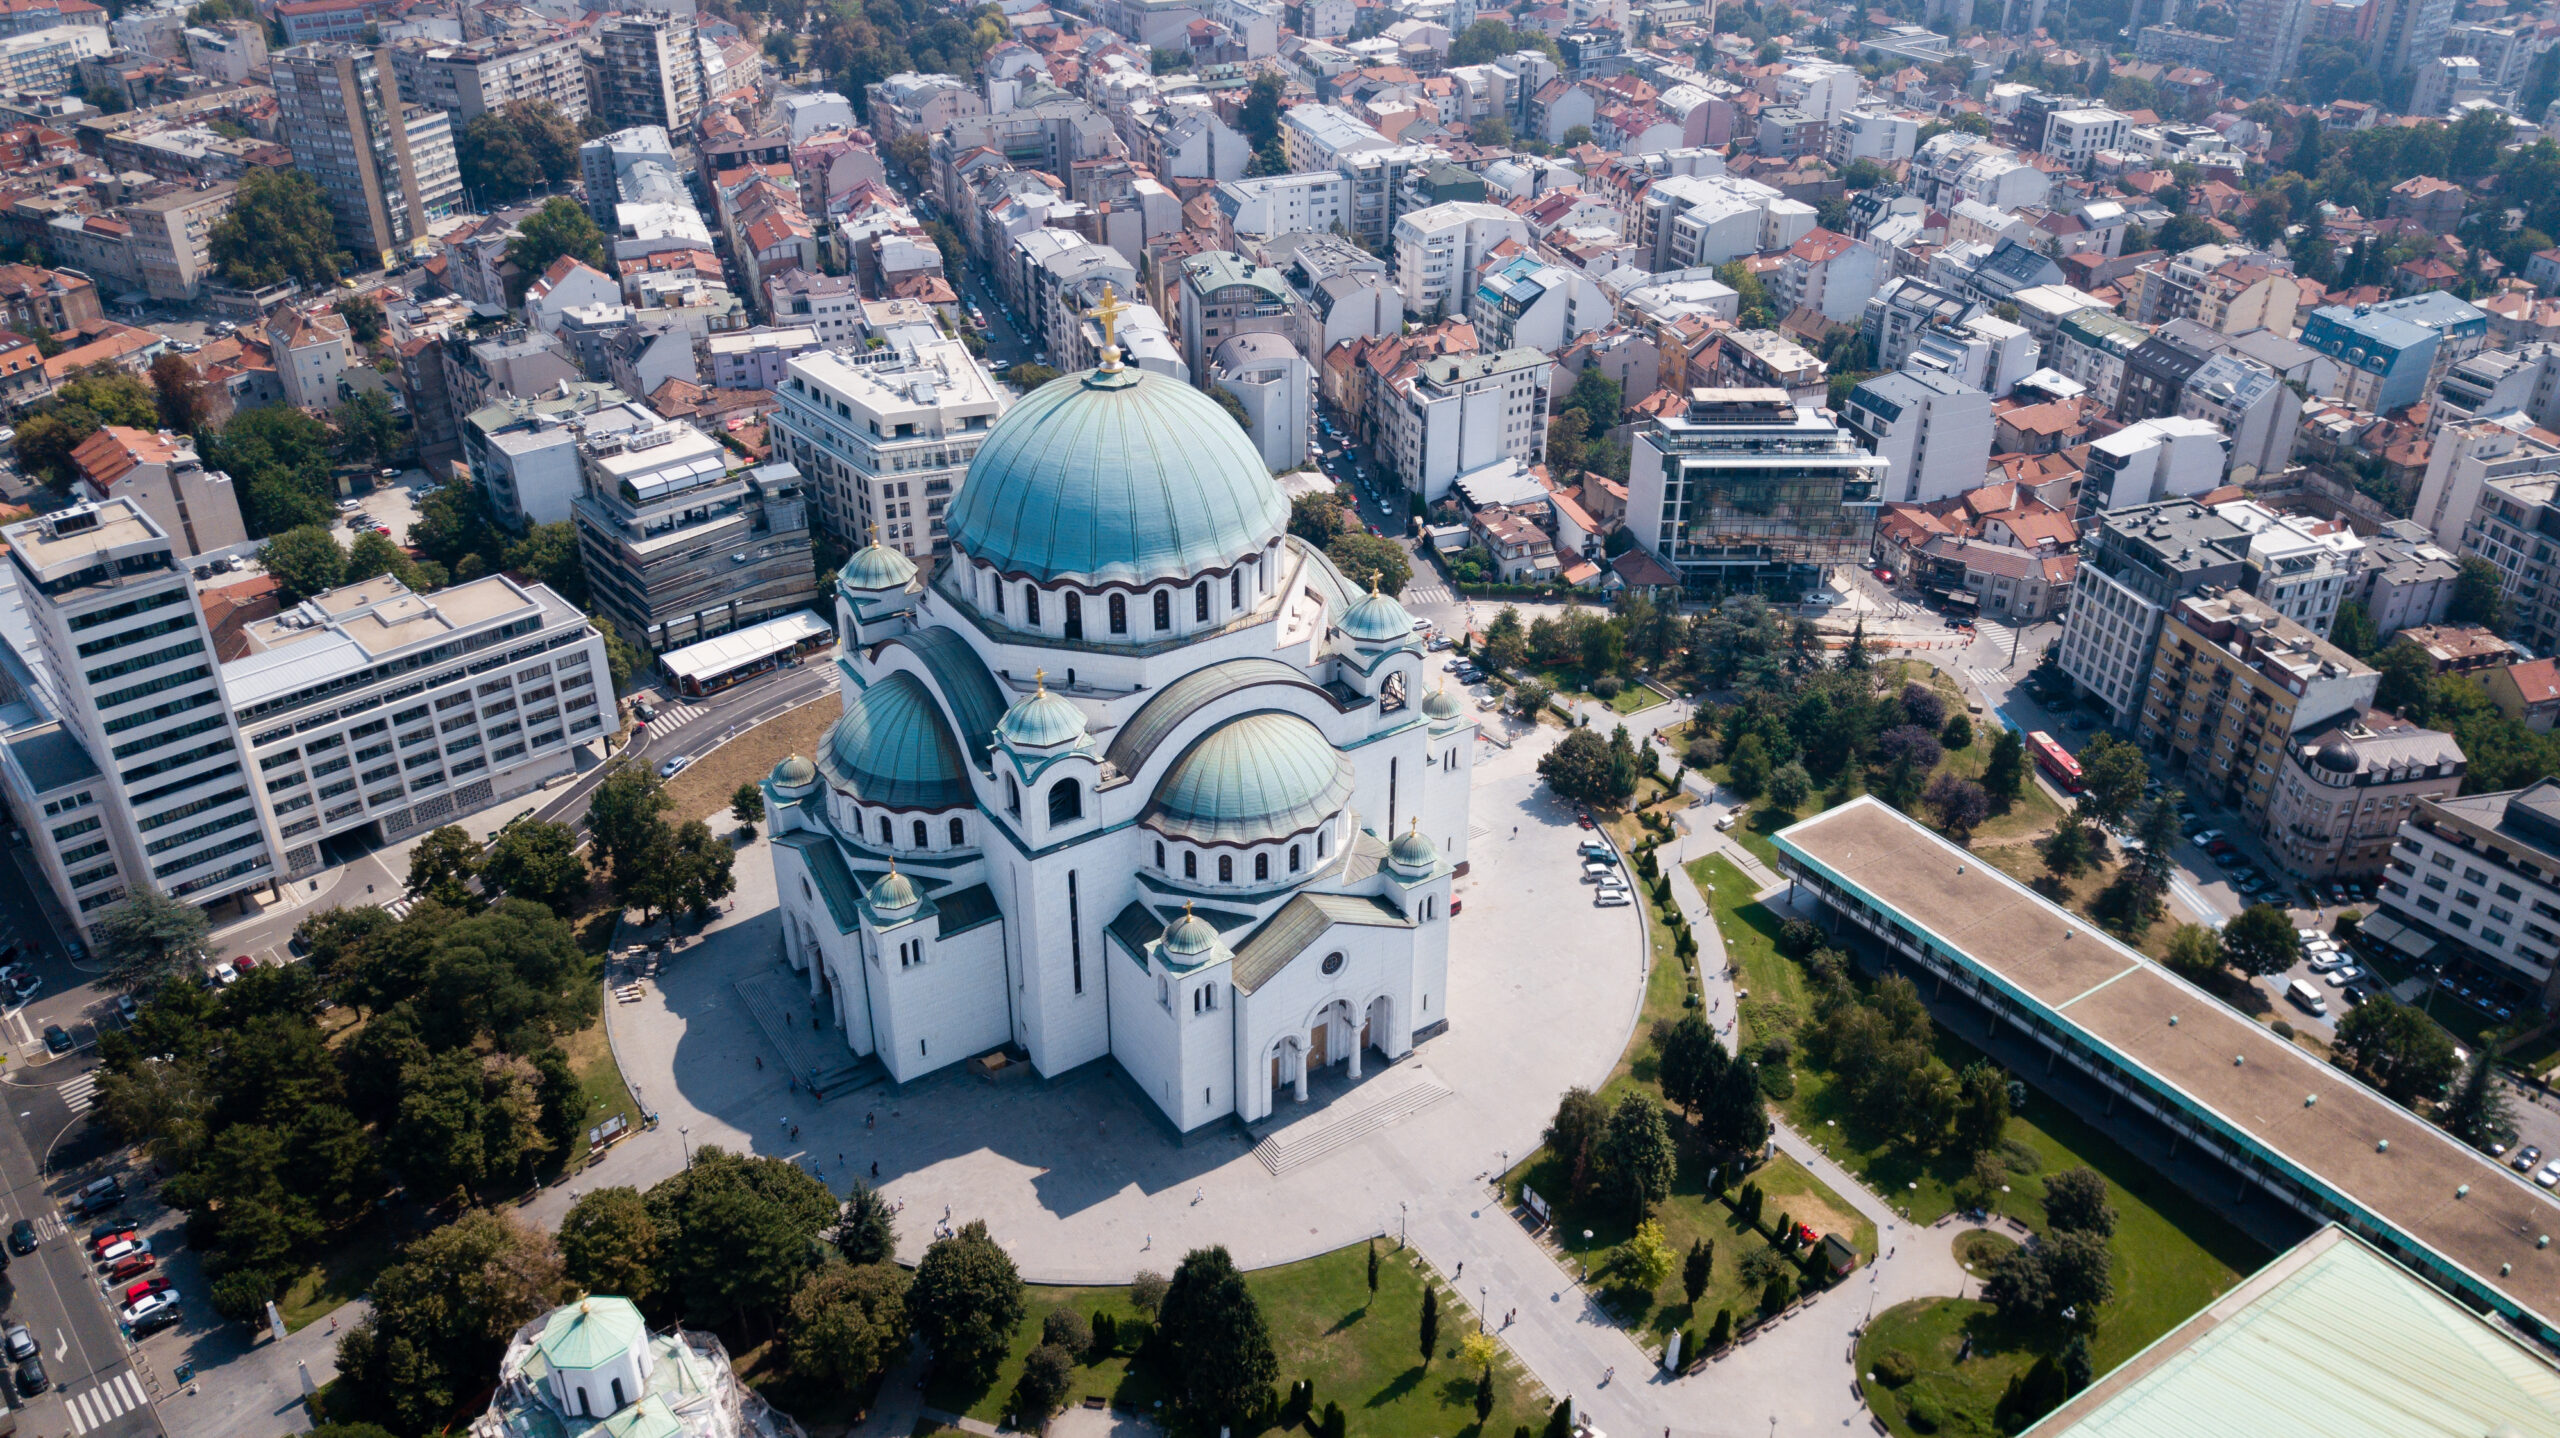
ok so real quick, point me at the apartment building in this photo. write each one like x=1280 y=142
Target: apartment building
x=2404 y=578
x=2516 y=527
x=646 y=71
x=528 y=65
x=754 y=358
x=1524 y=302
x=2074 y=137
x=1266 y=206
x=2299 y=566
x=1378 y=188
x=2347 y=786
x=2474 y=883
x=372 y=708
x=1220 y=294
x=159 y=795
x=172 y=237
x=885 y=437
x=1275 y=386
x=2395 y=352
x=1745 y=490
x=1317 y=137
x=914 y=103
x=523 y=452
x=680 y=543
x=230 y=51
x=1440 y=248
x=1934 y=432
x=47 y=61
x=2157 y=459
x=195 y=509
x=2232 y=683
x=2135 y=565
x=2465 y=458
x=343 y=117
x=1451 y=414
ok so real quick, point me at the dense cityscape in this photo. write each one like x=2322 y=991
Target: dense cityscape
x=750 y=719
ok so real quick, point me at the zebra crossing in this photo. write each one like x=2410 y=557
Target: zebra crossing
x=399 y=908
x=1987 y=678
x=106 y=1402
x=1425 y=592
x=1998 y=636
x=676 y=716
x=81 y=1092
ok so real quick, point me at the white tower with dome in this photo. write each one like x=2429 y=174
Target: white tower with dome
x=1132 y=775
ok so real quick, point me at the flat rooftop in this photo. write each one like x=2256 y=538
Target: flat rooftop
x=51 y=545
x=2368 y=1153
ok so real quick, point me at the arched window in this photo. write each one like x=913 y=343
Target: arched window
x=1119 y=614
x=586 y=1405
x=1075 y=615
x=921 y=840
x=1235 y=590
x=1200 y=603
x=1293 y=858
x=1031 y=605
x=805 y=891
x=1321 y=836
x=999 y=589
x=1159 y=853
x=1066 y=801
x=884 y=830
x=1226 y=868
x=1261 y=867
x=1012 y=797
x=1164 y=609
x=618 y=1399
x=958 y=835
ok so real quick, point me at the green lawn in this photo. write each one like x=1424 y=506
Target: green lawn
x=339 y=1278
x=1361 y=1351
x=1952 y=1400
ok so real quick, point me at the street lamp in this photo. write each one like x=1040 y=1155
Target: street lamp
x=1481 y=1301
x=685 y=1135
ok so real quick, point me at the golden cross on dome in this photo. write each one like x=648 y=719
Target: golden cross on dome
x=1040 y=681
x=1108 y=315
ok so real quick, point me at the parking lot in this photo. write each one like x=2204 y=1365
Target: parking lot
x=393 y=504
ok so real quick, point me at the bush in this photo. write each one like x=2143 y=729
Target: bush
x=1066 y=1328
x=1608 y=686
x=1895 y=1368
x=1925 y=1414
x=1046 y=1375
x=2284 y=1030
x=1702 y=753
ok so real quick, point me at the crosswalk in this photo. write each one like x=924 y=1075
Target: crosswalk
x=1998 y=636
x=106 y=1402
x=1425 y=592
x=676 y=716
x=399 y=908
x=1985 y=677
x=81 y=1092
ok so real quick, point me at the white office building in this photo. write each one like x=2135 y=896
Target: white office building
x=1933 y=429
x=1439 y=248
x=885 y=436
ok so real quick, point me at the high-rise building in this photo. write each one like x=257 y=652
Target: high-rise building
x=2271 y=33
x=679 y=543
x=2232 y=683
x=341 y=113
x=473 y=78
x=1748 y=489
x=2409 y=33
x=2471 y=883
x=145 y=782
x=2138 y=563
x=885 y=437
x=648 y=72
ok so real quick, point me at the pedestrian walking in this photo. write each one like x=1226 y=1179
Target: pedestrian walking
x=759 y=1063
x=875 y=1168
x=1198 y=1194
x=1461 y=1273
x=1606 y=1377
x=871 y=1119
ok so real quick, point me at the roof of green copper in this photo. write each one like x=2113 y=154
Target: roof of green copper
x=1259 y=776
x=1413 y=850
x=1136 y=741
x=1302 y=921
x=1042 y=721
x=1377 y=618
x=876 y=566
x=892 y=747
x=894 y=892
x=966 y=685
x=1440 y=706
x=835 y=882
x=648 y=1418
x=1129 y=477
x=590 y=1332
x=795 y=772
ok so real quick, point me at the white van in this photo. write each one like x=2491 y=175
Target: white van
x=2307 y=998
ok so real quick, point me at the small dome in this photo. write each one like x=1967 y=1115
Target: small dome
x=893 y=747
x=1440 y=706
x=2337 y=756
x=876 y=566
x=1042 y=721
x=1254 y=778
x=795 y=772
x=894 y=892
x=1377 y=618
x=1412 y=853
x=1189 y=938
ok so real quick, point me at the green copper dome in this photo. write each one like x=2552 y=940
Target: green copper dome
x=894 y=892
x=876 y=566
x=1042 y=721
x=794 y=772
x=1126 y=477
x=1189 y=939
x=590 y=1333
x=892 y=747
x=1412 y=853
x=1377 y=618
x=1263 y=776
x=1440 y=706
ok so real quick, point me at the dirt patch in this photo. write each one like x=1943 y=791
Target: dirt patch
x=1821 y=1217
x=705 y=787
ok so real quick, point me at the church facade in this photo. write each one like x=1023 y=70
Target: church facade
x=1133 y=774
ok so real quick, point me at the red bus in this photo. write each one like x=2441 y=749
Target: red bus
x=2054 y=760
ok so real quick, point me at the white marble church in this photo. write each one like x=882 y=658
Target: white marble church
x=1132 y=775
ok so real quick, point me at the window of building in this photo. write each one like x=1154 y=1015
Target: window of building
x=1119 y=614
x=1164 y=610
x=1261 y=867
x=1226 y=868
x=1200 y=603
x=1066 y=800
x=959 y=835
x=1075 y=615
x=921 y=840
x=1235 y=590
x=1190 y=865
x=885 y=836
x=1293 y=858
x=1031 y=606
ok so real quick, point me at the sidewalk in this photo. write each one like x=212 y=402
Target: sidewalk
x=259 y=1393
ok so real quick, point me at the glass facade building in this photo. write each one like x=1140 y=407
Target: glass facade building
x=1748 y=490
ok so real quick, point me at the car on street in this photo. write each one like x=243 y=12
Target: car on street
x=2526 y=1158
x=57 y=1038
x=150 y=1303
x=24 y=986
x=31 y=1379
x=22 y=1237
x=674 y=766
x=2206 y=838
x=645 y=710
x=22 y=1344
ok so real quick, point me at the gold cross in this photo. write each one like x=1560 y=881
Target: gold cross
x=1108 y=314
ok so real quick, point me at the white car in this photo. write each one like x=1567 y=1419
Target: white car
x=2309 y=937
x=2323 y=963
x=150 y=1303
x=2342 y=976
x=348 y=506
x=1614 y=898
x=1593 y=871
x=674 y=766
x=2550 y=1174
x=223 y=974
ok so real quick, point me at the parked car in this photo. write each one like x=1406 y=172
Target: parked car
x=22 y=1238
x=22 y=1344
x=348 y=506
x=1593 y=871
x=127 y=1009
x=115 y=1253
x=132 y=1265
x=1611 y=898
x=152 y=1322
x=150 y=1303
x=2342 y=976
x=2549 y=1175
x=2526 y=1158
x=99 y=1196
x=134 y=1291
x=110 y=1235
x=31 y=1379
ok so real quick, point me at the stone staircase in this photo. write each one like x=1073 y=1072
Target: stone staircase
x=1378 y=1104
x=812 y=1051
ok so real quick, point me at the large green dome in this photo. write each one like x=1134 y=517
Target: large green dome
x=1263 y=776
x=892 y=747
x=1127 y=477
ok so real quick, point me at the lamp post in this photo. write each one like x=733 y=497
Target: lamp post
x=685 y=1135
x=1482 y=1298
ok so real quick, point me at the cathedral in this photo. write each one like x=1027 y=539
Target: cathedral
x=1133 y=774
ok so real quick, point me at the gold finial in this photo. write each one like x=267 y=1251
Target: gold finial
x=1186 y=908
x=875 y=533
x=1414 y=827
x=1039 y=682
x=1108 y=315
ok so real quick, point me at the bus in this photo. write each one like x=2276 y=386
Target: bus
x=2054 y=760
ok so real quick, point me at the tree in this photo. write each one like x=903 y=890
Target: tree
x=1580 y=768
x=373 y=554
x=1048 y=1371
x=966 y=1301
x=279 y=460
x=1217 y=1348
x=1959 y=803
x=705 y=869
x=2476 y=597
x=609 y=1244
x=1644 y=1260
x=2353 y=630
x=540 y=862
x=278 y=228
x=2070 y=847
x=746 y=805
x=177 y=392
x=623 y=812
x=2477 y=1113
x=443 y=1313
x=2195 y=950
x=2078 y=1271
x=304 y=561
x=1747 y=768
x=147 y=936
x=1567 y=444
x=2005 y=772
x=2076 y=1200
x=442 y=867
x=2395 y=1048
x=1028 y=376
x=1637 y=1154
x=1697 y=1269
x=1430 y=1332
x=866 y=1230
x=1790 y=787
x=2111 y=778
x=368 y=432
x=1367 y=559
x=1958 y=733
x=2406 y=674
x=1318 y=517
x=2260 y=942
x=559 y=228
x=738 y=1233
x=363 y=315
x=1573 y=1135
x=1982 y=1108
x=1373 y=1270
x=548 y=554
x=1690 y=1062
x=848 y=1323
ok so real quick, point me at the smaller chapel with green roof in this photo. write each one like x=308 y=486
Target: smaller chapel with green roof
x=1132 y=775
